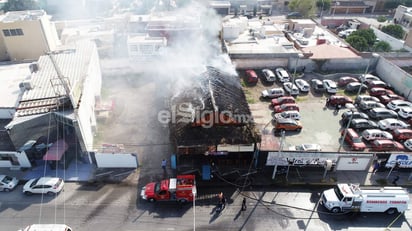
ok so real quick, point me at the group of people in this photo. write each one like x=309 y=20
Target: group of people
x=222 y=202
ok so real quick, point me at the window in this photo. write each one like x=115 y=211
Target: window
x=13 y=32
x=6 y=33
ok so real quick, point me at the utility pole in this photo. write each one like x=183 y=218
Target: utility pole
x=282 y=139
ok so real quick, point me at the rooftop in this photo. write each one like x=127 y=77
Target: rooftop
x=11 y=76
x=13 y=16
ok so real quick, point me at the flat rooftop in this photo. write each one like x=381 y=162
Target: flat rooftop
x=13 y=16
x=11 y=76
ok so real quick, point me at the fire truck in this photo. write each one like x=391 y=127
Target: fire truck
x=352 y=198
x=178 y=189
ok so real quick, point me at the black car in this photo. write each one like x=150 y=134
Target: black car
x=354 y=87
x=362 y=124
x=317 y=85
x=346 y=116
x=294 y=15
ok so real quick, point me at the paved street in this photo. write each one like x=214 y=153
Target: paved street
x=116 y=207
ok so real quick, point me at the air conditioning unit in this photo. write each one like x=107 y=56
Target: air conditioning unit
x=34 y=67
x=27 y=85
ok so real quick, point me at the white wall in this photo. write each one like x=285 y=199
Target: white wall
x=21 y=157
x=117 y=160
x=395 y=43
x=7 y=113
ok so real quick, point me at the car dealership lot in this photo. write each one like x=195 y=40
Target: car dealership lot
x=320 y=125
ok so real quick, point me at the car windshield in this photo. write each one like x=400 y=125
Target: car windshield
x=34 y=182
x=357 y=140
x=299 y=148
x=157 y=187
x=7 y=179
x=338 y=192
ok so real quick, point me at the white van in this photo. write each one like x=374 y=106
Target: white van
x=47 y=227
x=346 y=33
x=376 y=134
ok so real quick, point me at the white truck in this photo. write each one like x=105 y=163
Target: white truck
x=352 y=198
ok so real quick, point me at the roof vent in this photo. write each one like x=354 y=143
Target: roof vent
x=26 y=85
x=34 y=67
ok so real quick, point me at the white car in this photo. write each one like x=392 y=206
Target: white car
x=287 y=115
x=269 y=76
x=405 y=112
x=273 y=93
x=302 y=85
x=43 y=185
x=408 y=144
x=291 y=88
x=306 y=147
x=397 y=104
x=330 y=86
x=391 y=124
x=368 y=78
x=7 y=183
x=282 y=75
x=346 y=33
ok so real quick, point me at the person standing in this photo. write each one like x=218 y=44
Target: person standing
x=164 y=162
x=376 y=167
x=395 y=181
x=244 y=204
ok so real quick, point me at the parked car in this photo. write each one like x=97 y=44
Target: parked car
x=354 y=87
x=345 y=33
x=286 y=107
x=302 y=85
x=347 y=115
x=391 y=124
x=287 y=115
x=381 y=113
x=386 y=145
x=273 y=93
x=330 y=86
x=362 y=124
x=287 y=125
x=366 y=105
x=317 y=86
x=361 y=98
x=377 y=83
x=306 y=148
x=8 y=183
x=385 y=99
x=405 y=112
x=402 y=134
x=269 y=76
x=251 y=77
x=282 y=75
x=341 y=100
x=408 y=144
x=294 y=14
x=377 y=91
x=43 y=185
x=366 y=79
x=376 y=134
x=353 y=139
x=397 y=104
x=291 y=88
x=283 y=100
x=343 y=81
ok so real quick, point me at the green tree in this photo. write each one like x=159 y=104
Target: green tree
x=323 y=4
x=394 y=30
x=358 y=42
x=305 y=7
x=382 y=46
x=19 y=5
x=367 y=34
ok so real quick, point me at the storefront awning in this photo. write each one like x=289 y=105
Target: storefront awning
x=56 y=151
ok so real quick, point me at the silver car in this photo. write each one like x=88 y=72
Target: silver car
x=8 y=183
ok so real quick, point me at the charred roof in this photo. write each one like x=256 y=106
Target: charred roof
x=216 y=93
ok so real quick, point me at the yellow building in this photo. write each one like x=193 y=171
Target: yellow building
x=26 y=35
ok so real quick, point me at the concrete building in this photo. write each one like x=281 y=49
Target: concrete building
x=57 y=101
x=403 y=16
x=26 y=35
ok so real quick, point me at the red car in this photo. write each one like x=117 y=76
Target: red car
x=283 y=100
x=286 y=107
x=334 y=100
x=353 y=139
x=386 y=145
x=251 y=77
x=377 y=91
x=345 y=80
x=385 y=99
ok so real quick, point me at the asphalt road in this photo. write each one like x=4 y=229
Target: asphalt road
x=116 y=207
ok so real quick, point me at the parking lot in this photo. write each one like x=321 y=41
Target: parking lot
x=320 y=125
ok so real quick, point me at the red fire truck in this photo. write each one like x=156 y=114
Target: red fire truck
x=174 y=189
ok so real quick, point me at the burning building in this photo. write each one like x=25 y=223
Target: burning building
x=212 y=123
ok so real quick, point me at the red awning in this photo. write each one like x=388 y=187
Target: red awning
x=56 y=151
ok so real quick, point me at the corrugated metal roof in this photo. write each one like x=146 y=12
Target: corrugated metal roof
x=47 y=90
